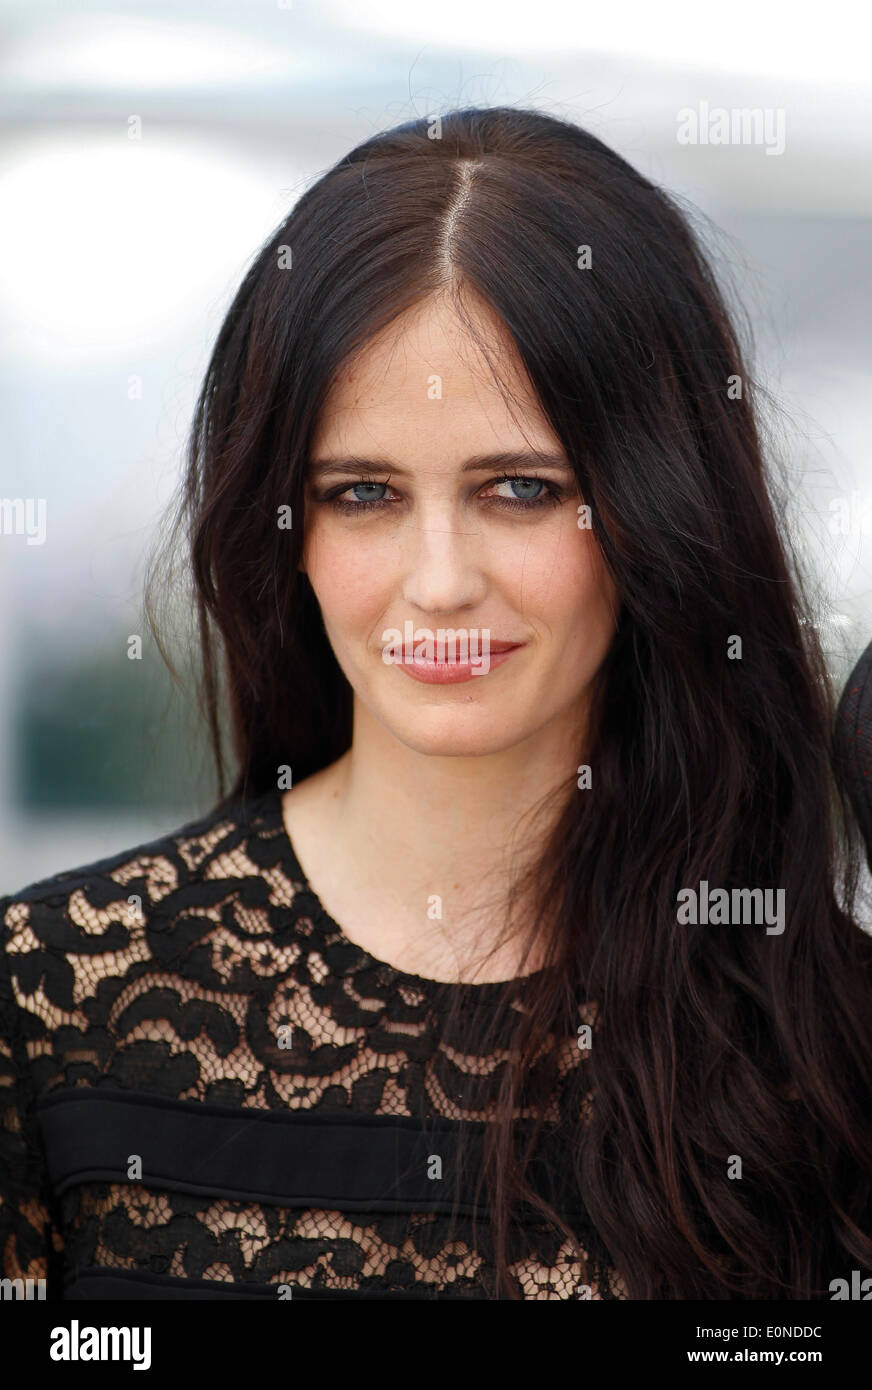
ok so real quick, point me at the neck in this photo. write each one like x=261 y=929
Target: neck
x=438 y=842
x=451 y=811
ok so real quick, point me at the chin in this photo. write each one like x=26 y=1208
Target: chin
x=447 y=734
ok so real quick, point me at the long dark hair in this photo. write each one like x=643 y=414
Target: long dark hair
x=710 y=1042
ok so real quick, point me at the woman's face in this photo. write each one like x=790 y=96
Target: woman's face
x=450 y=546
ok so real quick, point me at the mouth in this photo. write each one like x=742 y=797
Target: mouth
x=446 y=671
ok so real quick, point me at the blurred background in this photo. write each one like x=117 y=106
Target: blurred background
x=120 y=255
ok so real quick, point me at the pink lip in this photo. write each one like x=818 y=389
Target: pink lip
x=454 y=672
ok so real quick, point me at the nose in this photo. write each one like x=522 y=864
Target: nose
x=443 y=566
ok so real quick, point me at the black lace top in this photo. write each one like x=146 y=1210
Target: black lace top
x=208 y=1090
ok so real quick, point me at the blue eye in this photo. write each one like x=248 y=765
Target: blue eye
x=526 y=495
x=519 y=485
x=368 y=488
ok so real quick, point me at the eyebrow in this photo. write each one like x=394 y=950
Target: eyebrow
x=478 y=463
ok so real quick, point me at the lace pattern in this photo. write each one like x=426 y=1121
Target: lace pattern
x=166 y=975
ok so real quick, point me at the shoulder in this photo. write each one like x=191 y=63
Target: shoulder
x=120 y=969
x=103 y=905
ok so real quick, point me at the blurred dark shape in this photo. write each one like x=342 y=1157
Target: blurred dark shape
x=853 y=743
x=104 y=732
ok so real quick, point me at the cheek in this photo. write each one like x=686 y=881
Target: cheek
x=598 y=608
x=583 y=615
x=560 y=581
x=349 y=584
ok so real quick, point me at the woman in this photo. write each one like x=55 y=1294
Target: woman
x=520 y=959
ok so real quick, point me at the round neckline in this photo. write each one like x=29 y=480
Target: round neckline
x=268 y=810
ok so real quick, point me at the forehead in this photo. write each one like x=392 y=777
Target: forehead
x=429 y=375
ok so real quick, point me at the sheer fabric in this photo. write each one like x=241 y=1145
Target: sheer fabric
x=209 y=1091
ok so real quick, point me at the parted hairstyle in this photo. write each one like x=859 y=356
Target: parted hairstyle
x=711 y=1041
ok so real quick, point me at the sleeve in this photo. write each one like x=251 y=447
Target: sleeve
x=29 y=1244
